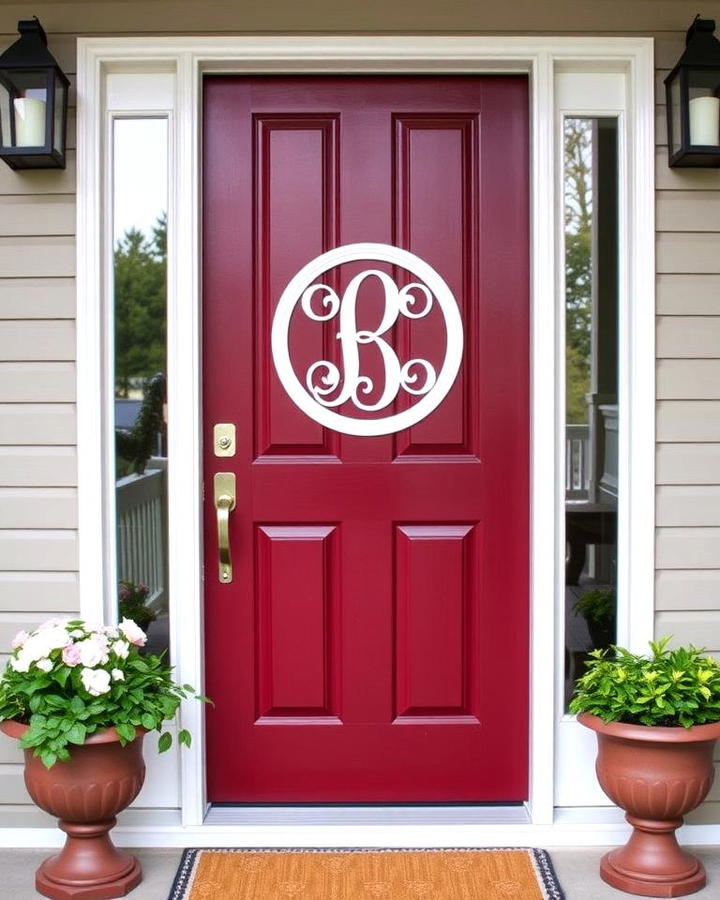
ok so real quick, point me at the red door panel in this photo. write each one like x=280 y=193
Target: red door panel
x=373 y=644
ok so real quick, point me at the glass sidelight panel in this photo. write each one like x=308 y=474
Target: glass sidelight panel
x=139 y=203
x=591 y=364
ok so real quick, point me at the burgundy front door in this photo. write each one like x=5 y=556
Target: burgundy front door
x=373 y=642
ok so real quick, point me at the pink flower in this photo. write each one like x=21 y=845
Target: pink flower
x=71 y=655
x=93 y=651
x=19 y=639
x=132 y=632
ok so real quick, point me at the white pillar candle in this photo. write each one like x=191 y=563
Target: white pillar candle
x=29 y=122
x=705 y=121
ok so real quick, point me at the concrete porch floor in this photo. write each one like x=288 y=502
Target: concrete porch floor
x=576 y=869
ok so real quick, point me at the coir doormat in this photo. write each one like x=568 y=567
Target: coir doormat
x=272 y=874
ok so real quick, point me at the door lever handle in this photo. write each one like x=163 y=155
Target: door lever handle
x=224 y=491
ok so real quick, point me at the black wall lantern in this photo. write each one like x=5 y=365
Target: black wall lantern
x=33 y=102
x=693 y=100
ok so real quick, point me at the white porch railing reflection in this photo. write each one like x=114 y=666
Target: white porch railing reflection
x=142 y=531
x=577 y=462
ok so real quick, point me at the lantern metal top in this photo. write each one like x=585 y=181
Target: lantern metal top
x=30 y=51
x=702 y=48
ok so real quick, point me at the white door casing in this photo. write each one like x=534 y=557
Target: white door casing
x=551 y=64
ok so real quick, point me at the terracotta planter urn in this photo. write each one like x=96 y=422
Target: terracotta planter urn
x=656 y=775
x=85 y=794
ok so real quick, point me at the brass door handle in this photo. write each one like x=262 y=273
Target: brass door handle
x=224 y=490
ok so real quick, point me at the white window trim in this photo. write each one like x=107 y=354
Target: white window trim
x=541 y=59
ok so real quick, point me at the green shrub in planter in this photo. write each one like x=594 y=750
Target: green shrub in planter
x=666 y=688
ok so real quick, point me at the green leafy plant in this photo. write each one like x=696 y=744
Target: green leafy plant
x=598 y=608
x=667 y=687
x=132 y=600
x=69 y=679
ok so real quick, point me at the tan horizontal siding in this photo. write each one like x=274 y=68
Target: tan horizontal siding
x=32 y=215
x=689 y=505
x=38 y=508
x=38 y=549
x=687 y=379
x=688 y=420
x=46 y=256
x=38 y=466
x=685 y=252
x=688 y=548
x=688 y=211
x=667 y=179
x=37 y=298
x=688 y=295
x=34 y=382
x=46 y=592
x=688 y=464
x=371 y=17
x=37 y=423
x=12 y=785
x=701 y=628
x=677 y=589
x=43 y=181
x=690 y=336
x=37 y=340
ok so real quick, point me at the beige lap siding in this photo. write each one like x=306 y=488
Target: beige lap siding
x=38 y=504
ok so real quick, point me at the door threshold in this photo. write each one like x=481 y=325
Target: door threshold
x=367 y=815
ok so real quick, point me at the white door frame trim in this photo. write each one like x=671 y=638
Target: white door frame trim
x=541 y=58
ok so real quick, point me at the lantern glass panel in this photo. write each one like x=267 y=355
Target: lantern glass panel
x=5 y=105
x=704 y=107
x=676 y=113
x=59 y=129
x=29 y=108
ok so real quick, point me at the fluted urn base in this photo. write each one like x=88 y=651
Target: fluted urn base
x=100 y=779
x=656 y=775
x=89 y=866
x=651 y=863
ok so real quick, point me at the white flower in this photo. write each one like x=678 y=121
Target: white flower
x=111 y=631
x=120 y=648
x=21 y=662
x=19 y=639
x=44 y=664
x=56 y=637
x=133 y=632
x=118 y=675
x=36 y=646
x=77 y=633
x=92 y=652
x=51 y=623
x=95 y=681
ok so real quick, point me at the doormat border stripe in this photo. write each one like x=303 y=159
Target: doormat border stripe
x=542 y=863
